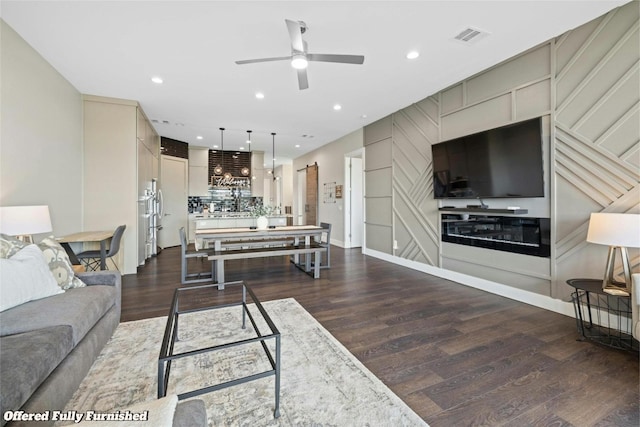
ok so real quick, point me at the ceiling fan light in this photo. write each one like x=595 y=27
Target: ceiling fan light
x=299 y=62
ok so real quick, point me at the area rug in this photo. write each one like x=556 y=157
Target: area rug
x=322 y=384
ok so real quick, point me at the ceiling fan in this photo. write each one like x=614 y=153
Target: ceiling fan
x=300 y=57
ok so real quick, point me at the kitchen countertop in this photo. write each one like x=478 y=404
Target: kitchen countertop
x=223 y=215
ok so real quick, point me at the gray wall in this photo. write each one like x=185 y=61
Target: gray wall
x=585 y=86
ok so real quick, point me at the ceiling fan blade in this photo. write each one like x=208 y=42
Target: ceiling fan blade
x=303 y=82
x=344 y=59
x=295 y=34
x=252 y=61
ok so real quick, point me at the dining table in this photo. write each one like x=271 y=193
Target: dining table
x=101 y=237
x=220 y=239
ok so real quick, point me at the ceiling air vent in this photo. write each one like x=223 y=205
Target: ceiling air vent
x=470 y=35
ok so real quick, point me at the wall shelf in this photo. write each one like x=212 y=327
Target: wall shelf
x=486 y=210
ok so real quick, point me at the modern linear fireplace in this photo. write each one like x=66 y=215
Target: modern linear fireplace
x=528 y=236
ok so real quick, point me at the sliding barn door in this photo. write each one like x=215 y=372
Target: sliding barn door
x=311 y=205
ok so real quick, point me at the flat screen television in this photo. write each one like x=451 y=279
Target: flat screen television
x=501 y=162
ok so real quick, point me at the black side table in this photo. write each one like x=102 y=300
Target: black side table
x=601 y=317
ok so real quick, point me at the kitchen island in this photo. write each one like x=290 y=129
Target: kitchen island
x=199 y=221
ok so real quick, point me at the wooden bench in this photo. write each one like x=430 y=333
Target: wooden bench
x=251 y=243
x=261 y=252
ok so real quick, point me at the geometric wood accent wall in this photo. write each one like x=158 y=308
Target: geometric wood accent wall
x=378 y=190
x=597 y=128
x=415 y=216
x=585 y=85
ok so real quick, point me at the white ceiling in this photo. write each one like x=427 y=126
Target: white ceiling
x=113 y=48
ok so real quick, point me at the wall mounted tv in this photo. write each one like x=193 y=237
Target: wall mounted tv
x=501 y=162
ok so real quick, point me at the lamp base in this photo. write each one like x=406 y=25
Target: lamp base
x=27 y=238
x=609 y=284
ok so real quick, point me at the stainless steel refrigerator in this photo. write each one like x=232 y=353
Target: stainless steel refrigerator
x=154 y=212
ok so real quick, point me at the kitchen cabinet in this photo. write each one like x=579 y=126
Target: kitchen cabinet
x=198 y=171
x=148 y=142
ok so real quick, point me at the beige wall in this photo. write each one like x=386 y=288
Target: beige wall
x=47 y=156
x=330 y=159
x=40 y=135
x=285 y=173
x=585 y=85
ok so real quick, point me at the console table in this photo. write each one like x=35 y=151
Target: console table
x=87 y=237
x=601 y=317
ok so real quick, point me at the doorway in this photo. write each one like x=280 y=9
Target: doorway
x=174 y=186
x=354 y=200
x=301 y=196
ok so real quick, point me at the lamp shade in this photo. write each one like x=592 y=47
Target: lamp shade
x=24 y=220
x=614 y=229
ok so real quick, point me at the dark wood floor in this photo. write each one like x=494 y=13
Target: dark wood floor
x=458 y=356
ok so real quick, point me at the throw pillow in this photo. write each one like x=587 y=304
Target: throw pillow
x=59 y=264
x=9 y=246
x=25 y=277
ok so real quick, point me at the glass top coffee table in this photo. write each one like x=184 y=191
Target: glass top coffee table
x=183 y=303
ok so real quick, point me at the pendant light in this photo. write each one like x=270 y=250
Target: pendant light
x=245 y=170
x=218 y=169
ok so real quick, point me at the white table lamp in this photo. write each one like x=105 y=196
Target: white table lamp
x=24 y=221
x=619 y=231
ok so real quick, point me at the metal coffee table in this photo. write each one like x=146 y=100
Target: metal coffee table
x=167 y=354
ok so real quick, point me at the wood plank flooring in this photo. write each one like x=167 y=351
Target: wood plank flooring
x=456 y=355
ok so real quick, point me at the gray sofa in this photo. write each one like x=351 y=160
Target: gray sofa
x=47 y=347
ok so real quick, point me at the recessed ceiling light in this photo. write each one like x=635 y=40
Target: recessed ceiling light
x=337 y=107
x=199 y=137
x=259 y=95
x=242 y=148
x=156 y=80
x=364 y=116
x=215 y=146
x=413 y=54
x=297 y=145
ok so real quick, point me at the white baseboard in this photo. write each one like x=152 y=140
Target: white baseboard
x=338 y=243
x=527 y=297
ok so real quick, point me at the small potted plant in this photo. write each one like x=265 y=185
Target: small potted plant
x=261 y=212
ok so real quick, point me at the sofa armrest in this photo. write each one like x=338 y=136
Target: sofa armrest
x=190 y=413
x=105 y=277
x=635 y=305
